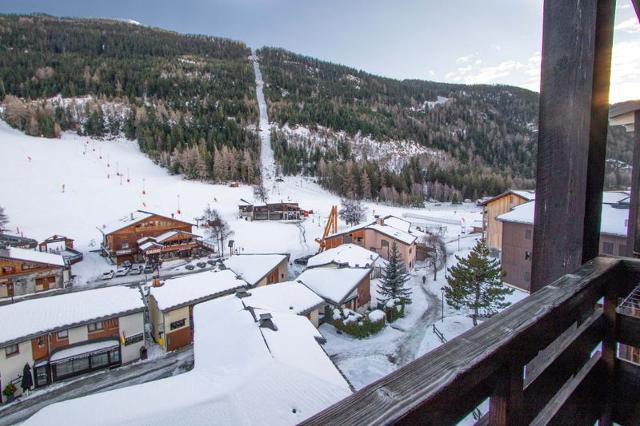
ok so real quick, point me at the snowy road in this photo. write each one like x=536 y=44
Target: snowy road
x=140 y=372
x=266 y=152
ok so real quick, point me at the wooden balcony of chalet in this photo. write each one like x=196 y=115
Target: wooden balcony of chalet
x=553 y=357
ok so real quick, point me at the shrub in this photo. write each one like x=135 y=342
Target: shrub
x=394 y=309
x=9 y=390
x=358 y=325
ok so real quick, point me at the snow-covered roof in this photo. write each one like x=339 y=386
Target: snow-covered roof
x=393 y=232
x=133 y=218
x=254 y=267
x=288 y=296
x=148 y=245
x=398 y=223
x=186 y=289
x=46 y=314
x=613 y=220
x=527 y=194
x=32 y=256
x=83 y=349
x=351 y=255
x=333 y=284
x=243 y=374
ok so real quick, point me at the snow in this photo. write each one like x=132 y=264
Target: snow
x=350 y=255
x=83 y=349
x=288 y=296
x=390 y=231
x=48 y=313
x=33 y=256
x=377 y=315
x=333 y=284
x=613 y=197
x=188 y=288
x=243 y=374
x=253 y=267
x=613 y=219
x=125 y=221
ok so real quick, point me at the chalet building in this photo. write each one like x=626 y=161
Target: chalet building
x=259 y=269
x=494 y=207
x=10 y=240
x=286 y=297
x=340 y=288
x=144 y=236
x=171 y=304
x=623 y=114
x=349 y=256
x=378 y=236
x=252 y=366
x=63 y=246
x=70 y=334
x=269 y=211
x=25 y=271
x=517 y=236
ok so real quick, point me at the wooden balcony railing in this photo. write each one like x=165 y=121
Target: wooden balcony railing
x=549 y=359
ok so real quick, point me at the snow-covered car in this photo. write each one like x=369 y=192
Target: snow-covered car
x=136 y=270
x=107 y=275
x=121 y=272
x=149 y=268
x=189 y=267
x=201 y=264
x=211 y=262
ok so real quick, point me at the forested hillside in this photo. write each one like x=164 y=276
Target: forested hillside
x=187 y=99
x=471 y=140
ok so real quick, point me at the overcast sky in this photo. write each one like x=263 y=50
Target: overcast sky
x=465 y=41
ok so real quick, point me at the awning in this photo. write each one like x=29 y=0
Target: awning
x=82 y=351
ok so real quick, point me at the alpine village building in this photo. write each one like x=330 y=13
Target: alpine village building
x=70 y=334
x=147 y=237
x=24 y=271
x=494 y=207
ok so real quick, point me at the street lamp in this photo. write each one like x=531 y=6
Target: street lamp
x=442 y=305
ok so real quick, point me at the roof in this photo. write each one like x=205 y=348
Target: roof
x=32 y=256
x=387 y=229
x=243 y=374
x=57 y=237
x=333 y=284
x=288 y=296
x=527 y=194
x=351 y=255
x=623 y=108
x=613 y=197
x=46 y=314
x=613 y=219
x=187 y=289
x=131 y=219
x=254 y=267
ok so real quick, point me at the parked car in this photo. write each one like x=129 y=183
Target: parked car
x=149 y=268
x=107 y=275
x=121 y=272
x=126 y=264
x=136 y=270
x=201 y=264
x=189 y=267
x=211 y=262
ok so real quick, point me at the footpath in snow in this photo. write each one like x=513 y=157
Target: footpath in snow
x=266 y=152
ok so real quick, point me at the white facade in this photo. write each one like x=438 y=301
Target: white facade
x=11 y=366
x=131 y=325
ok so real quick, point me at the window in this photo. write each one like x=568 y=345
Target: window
x=11 y=350
x=124 y=245
x=99 y=360
x=8 y=269
x=27 y=266
x=63 y=334
x=607 y=248
x=177 y=324
x=384 y=243
x=41 y=376
x=527 y=234
x=114 y=355
x=527 y=255
x=40 y=341
x=96 y=326
x=347 y=239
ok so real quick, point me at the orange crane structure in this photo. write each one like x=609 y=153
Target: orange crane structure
x=330 y=228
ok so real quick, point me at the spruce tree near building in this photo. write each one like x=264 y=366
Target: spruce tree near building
x=394 y=279
x=476 y=283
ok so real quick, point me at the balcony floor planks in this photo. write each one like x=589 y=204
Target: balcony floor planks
x=474 y=357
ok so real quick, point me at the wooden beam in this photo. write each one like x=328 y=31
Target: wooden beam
x=633 y=228
x=636 y=6
x=570 y=157
x=606 y=10
x=627 y=410
x=629 y=330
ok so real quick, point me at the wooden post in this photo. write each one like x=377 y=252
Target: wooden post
x=506 y=402
x=633 y=224
x=576 y=58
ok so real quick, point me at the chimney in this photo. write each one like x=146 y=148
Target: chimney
x=131 y=215
x=380 y=220
x=266 y=321
x=242 y=293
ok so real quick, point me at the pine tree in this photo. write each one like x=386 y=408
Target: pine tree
x=365 y=185
x=394 y=278
x=476 y=283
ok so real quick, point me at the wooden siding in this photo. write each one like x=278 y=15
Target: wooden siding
x=178 y=338
x=364 y=292
x=494 y=209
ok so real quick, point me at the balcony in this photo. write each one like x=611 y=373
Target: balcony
x=549 y=359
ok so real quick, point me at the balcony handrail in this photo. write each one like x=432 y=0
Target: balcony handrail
x=489 y=360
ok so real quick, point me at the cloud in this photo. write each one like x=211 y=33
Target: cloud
x=625 y=71
x=466 y=58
